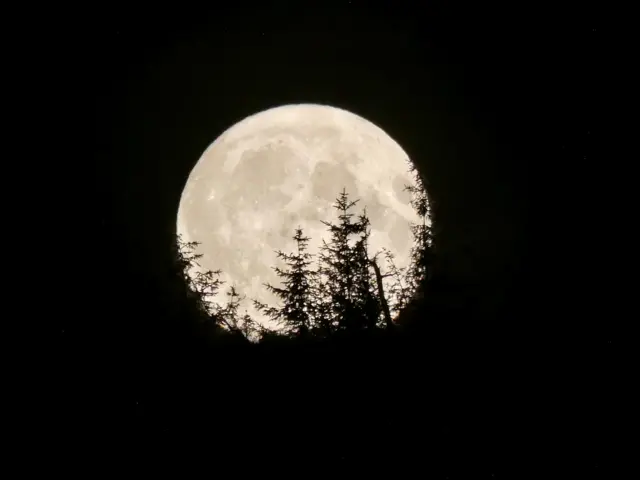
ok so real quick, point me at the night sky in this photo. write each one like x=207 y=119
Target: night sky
x=488 y=101
x=485 y=108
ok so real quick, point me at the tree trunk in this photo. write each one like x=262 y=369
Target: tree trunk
x=383 y=300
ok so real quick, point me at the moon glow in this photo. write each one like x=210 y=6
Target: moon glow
x=283 y=168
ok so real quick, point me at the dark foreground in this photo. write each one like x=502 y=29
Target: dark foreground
x=391 y=406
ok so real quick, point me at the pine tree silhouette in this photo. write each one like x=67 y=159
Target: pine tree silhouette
x=344 y=271
x=399 y=292
x=419 y=276
x=229 y=316
x=368 y=296
x=420 y=270
x=345 y=292
x=198 y=286
x=296 y=314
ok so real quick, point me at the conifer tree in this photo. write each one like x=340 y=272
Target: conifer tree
x=420 y=268
x=367 y=297
x=230 y=318
x=419 y=274
x=295 y=314
x=200 y=286
x=399 y=291
x=324 y=325
x=344 y=271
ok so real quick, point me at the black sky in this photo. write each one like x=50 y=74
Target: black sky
x=489 y=101
x=480 y=102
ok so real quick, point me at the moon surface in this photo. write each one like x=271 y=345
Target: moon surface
x=283 y=168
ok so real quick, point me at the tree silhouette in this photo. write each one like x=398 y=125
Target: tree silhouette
x=399 y=292
x=228 y=315
x=421 y=265
x=417 y=287
x=344 y=271
x=368 y=295
x=295 y=315
x=346 y=292
x=198 y=286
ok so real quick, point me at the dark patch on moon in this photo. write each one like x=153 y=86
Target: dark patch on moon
x=256 y=181
x=310 y=213
x=289 y=224
x=328 y=180
x=375 y=209
x=399 y=234
x=261 y=169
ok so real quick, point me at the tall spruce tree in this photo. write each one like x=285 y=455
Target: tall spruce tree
x=296 y=313
x=344 y=271
x=368 y=298
x=420 y=273
x=420 y=269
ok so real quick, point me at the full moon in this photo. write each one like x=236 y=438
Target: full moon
x=283 y=168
